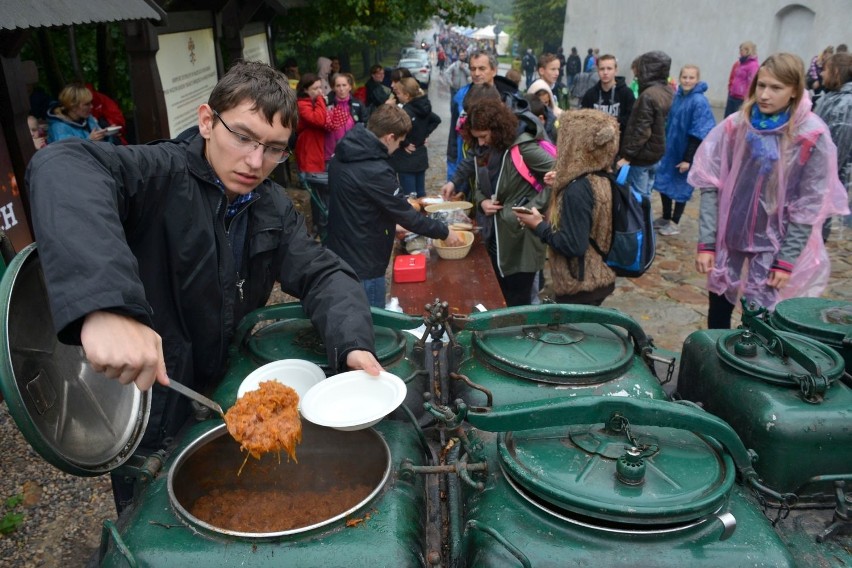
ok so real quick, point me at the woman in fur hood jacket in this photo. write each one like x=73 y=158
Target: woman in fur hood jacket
x=580 y=208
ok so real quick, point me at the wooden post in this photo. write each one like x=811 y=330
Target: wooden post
x=151 y=118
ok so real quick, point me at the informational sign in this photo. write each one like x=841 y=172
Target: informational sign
x=187 y=64
x=13 y=220
x=256 y=48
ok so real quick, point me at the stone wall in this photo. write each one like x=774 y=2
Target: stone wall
x=705 y=32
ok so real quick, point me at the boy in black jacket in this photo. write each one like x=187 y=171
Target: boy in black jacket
x=367 y=202
x=611 y=94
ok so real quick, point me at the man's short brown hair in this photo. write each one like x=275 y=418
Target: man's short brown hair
x=607 y=56
x=389 y=119
x=267 y=88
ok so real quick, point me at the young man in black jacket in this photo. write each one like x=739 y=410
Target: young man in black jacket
x=367 y=202
x=154 y=253
x=611 y=94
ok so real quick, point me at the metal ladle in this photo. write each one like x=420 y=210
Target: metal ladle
x=197 y=397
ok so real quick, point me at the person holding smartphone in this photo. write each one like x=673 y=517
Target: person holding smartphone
x=516 y=254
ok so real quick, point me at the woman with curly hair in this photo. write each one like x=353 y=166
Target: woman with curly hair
x=516 y=254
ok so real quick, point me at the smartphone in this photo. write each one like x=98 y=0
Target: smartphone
x=525 y=210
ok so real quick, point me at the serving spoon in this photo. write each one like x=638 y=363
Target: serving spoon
x=197 y=397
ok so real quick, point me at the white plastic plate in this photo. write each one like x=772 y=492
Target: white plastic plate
x=353 y=400
x=297 y=374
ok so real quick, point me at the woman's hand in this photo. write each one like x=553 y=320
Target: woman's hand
x=777 y=279
x=530 y=220
x=621 y=163
x=97 y=134
x=490 y=206
x=448 y=190
x=682 y=167
x=549 y=177
x=410 y=148
x=704 y=262
x=454 y=239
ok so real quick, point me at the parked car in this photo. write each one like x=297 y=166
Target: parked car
x=422 y=55
x=419 y=70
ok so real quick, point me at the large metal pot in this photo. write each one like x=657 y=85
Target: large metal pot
x=336 y=474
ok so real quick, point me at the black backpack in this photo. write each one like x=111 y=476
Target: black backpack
x=633 y=243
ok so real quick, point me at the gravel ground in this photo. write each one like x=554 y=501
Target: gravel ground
x=62 y=514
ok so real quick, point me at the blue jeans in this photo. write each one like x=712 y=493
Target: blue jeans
x=641 y=178
x=413 y=183
x=375 y=289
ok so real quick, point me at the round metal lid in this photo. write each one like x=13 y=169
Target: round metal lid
x=298 y=339
x=577 y=471
x=75 y=418
x=829 y=321
x=747 y=353
x=584 y=353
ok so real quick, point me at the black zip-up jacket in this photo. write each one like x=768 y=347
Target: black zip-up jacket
x=423 y=123
x=140 y=230
x=367 y=204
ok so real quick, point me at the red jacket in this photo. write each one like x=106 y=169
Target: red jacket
x=310 y=135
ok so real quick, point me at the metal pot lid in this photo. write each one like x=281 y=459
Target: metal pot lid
x=298 y=339
x=829 y=321
x=75 y=418
x=582 y=353
x=755 y=356
x=664 y=476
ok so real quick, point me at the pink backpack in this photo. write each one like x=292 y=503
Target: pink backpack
x=521 y=166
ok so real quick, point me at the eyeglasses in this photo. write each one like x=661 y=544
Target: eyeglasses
x=246 y=143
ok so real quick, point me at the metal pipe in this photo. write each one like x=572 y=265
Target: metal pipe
x=454 y=508
x=515 y=551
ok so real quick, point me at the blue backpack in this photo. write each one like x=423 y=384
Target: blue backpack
x=633 y=242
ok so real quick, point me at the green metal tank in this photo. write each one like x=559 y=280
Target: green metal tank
x=349 y=505
x=827 y=321
x=384 y=527
x=783 y=394
x=604 y=481
x=553 y=350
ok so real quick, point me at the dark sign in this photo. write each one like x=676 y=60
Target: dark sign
x=12 y=218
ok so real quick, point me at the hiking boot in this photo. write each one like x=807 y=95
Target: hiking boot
x=660 y=222
x=669 y=229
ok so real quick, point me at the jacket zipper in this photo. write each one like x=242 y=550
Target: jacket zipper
x=240 y=281
x=494 y=197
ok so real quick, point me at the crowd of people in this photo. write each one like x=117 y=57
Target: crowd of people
x=771 y=175
x=540 y=177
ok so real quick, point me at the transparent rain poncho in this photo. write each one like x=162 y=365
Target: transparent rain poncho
x=765 y=180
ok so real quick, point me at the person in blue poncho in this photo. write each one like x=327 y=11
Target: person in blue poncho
x=690 y=120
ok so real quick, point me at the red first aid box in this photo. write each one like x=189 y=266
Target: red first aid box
x=409 y=268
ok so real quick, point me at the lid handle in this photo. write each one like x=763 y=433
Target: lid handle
x=294 y=310
x=597 y=409
x=551 y=314
x=813 y=385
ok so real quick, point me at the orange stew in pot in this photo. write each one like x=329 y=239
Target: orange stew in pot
x=266 y=420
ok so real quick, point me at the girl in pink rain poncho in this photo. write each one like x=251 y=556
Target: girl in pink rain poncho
x=768 y=179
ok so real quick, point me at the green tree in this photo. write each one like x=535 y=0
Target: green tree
x=539 y=23
x=343 y=27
